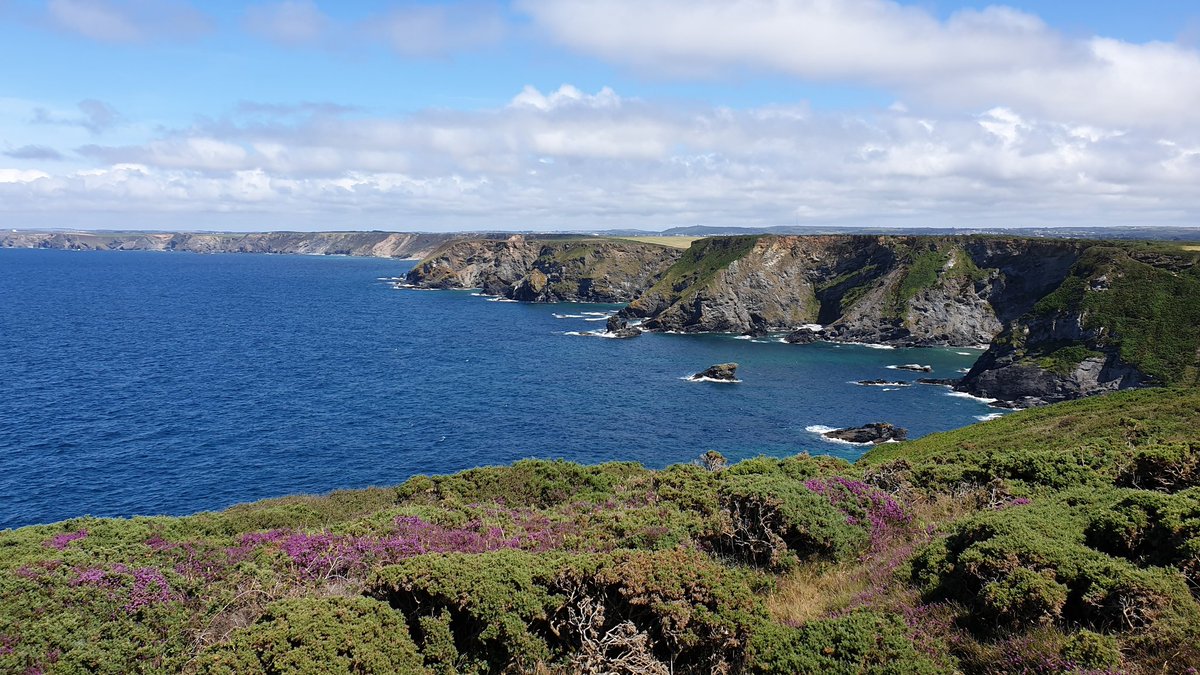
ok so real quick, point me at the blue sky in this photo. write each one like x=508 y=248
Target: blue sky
x=549 y=114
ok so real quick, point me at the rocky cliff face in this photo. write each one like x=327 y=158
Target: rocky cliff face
x=371 y=244
x=1125 y=316
x=546 y=270
x=919 y=291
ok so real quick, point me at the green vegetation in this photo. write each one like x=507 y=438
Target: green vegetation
x=701 y=263
x=1061 y=539
x=921 y=273
x=1146 y=313
x=1064 y=361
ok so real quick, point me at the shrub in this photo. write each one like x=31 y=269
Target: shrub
x=1024 y=596
x=318 y=635
x=862 y=642
x=514 y=609
x=1091 y=651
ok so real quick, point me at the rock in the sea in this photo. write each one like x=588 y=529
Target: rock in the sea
x=914 y=367
x=722 y=372
x=803 y=336
x=884 y=383
x=620 y=328
x=943 y=381
x=880 y=432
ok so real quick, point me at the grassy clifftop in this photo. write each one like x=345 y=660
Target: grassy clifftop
x=1064 y=539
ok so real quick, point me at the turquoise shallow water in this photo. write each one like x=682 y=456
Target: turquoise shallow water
x=144 y=383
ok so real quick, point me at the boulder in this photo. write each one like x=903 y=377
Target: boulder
x=722 y=372
x=879 y=432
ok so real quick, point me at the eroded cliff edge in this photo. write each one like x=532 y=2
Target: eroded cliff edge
x=1061 y=318
x=547 y=270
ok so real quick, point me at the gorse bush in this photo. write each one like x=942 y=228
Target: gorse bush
x=1064 y=539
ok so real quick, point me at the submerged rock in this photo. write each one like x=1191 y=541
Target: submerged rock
x=884 y=383
x=620 y=328
x=722 y=372
x=879 y=432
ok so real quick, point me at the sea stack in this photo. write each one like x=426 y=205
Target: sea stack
x=620 y=328
x=879 y=432
x=722 y=372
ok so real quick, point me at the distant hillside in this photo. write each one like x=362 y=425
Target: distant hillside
x=372 y=244
x=1140 y=233
x=1060 y=540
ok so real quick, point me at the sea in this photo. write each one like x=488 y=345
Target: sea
x=141 y=383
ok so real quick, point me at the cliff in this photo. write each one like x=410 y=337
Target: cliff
x=369 y=244
x=546 y=270
x=916 y=291
x=1062 y=318
x=1125 y=316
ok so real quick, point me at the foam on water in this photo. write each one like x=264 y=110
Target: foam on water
x=963 y=394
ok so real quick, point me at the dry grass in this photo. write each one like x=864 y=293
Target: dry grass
x=673 y=242
x=1191 y=248
x=813 y=591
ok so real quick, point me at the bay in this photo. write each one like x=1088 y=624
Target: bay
x=170 y=383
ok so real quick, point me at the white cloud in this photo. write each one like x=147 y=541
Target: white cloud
x=974 y=59
x=128 y=21
x=574 y=159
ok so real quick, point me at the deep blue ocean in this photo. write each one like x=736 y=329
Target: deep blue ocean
x=170 y=383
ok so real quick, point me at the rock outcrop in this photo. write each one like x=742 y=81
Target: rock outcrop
x=722 y=372
x=879 y=432
x=620 y=328
x=547 y=270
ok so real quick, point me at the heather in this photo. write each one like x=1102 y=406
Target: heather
x=1062 y=539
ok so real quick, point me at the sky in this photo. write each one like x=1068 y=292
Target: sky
x=598 y=114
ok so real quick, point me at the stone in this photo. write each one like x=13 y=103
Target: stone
x=722 y=372
x=879 y=432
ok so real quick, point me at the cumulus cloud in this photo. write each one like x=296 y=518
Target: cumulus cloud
x=128 y=21
x=586 y=160
x=973 y=59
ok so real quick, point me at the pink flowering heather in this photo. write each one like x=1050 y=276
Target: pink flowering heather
x=325 y=554
x=150 y=587
x=861 y=503
x=62 y=541
x=93 y=576
x=196 y=560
